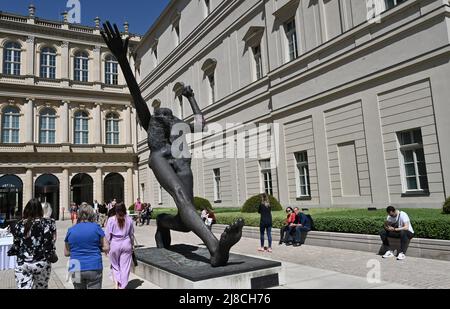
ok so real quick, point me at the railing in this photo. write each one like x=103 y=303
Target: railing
x=81 y=29
x=14 y=18
x=48 y=24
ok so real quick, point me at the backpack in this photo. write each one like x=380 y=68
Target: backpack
x=313 y=228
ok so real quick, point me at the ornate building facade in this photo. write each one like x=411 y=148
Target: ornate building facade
x=354 y=95
x=68 y=129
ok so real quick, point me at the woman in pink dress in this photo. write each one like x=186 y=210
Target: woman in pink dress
x=120 y=234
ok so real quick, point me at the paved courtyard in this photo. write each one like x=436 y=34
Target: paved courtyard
x=306 y=266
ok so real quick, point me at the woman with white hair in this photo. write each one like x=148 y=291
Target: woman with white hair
x=85 y=242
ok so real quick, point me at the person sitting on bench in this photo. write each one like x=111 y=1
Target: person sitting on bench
x=289 y=219
x=398 y=225
x=301 y=225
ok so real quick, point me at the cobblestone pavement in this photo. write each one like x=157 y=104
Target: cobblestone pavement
x=307 y=266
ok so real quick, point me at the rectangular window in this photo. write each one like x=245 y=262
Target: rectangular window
x=10 y=130
x=155 y=55
x=217 y=185
x=393 y=3
x=258 y=62
x=81 y=131
x=207 y=8
x=47 y=130
x=412 y=157
x=180 y=107
x=291 y=35
x=212 y=88
x=176 y=29
x=160 y=195
x=302 y=171
x=266 y=174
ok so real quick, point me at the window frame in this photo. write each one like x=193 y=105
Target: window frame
x=81 y=67
x=217 y=185
x=111 y=70
x=12 y=132
x=291 y=35
x=212 y=87
x=302 y=174
x=48 y=65
x=82 y=133
x=112 y=136
x=415 y=145
x=12 y=51
x=49 y=131
x=266 y=177
x=258 y=63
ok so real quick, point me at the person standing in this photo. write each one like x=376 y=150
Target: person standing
x=73 y=213
x=138 y=210
x=84 y=245
x=96 y=205
x=120 y=235
x=34 y=247
x=266 y=222
x=397 y=225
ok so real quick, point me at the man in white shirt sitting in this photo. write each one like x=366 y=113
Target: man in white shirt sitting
x=398 y=225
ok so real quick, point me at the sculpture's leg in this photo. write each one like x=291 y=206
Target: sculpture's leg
x=165 y=223
x=169 y=180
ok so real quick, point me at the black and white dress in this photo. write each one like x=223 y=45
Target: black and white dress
x=33 y=253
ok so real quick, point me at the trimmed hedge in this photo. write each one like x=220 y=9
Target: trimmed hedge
x=201 y=203
x=430 y=228
x=446 y=208
x=252 y=204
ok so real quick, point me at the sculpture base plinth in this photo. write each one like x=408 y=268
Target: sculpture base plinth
x=188 y=267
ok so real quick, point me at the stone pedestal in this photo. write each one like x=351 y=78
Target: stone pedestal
x=188 y=267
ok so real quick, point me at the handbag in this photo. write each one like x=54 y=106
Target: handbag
x=53 y=258
x=135 y=261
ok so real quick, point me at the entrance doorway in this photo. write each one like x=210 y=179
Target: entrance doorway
x=46 y=189
x=114 y=188
x=82 y=189
x=11 y=198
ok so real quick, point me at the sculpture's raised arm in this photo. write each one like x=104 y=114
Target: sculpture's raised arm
x=199 y=120
x=119 y=48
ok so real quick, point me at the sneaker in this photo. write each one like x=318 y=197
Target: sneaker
x=401 y=257
x=269 y=250
x=388 y=255
x=297 y=244
x=261 y=249
x=289 y=244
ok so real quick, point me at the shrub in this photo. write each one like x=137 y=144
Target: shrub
x=252 y=204
x=201 y=203
x=131 y=209
x=446 y=207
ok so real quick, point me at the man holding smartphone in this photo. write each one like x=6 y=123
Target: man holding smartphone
x=397 y=225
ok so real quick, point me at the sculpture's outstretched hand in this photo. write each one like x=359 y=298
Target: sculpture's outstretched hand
x=113 y=39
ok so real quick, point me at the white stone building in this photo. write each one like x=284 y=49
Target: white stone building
x=355 y=92
x=68 y=130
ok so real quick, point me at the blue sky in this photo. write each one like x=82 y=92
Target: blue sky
x=139 y=13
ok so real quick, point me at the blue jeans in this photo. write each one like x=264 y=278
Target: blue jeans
x=298 y=233
x=262 y=230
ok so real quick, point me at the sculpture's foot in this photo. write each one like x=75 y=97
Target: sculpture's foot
x=229 y=238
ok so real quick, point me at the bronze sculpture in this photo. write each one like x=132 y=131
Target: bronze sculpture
x=172 y=172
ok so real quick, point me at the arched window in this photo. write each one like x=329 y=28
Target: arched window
x=47 y=126
x=10 y=127
x=81 y=132
x=81 y=67
x=48 y=63
x=112 y=129
x=11 y=58
x=111 y=70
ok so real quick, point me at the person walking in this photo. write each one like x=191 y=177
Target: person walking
x=84 y=245
x=138 y=209
x=120 y=235
x=73 y=213
x=34 y=247
x=266 y=222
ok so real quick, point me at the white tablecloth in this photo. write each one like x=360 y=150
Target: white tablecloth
x=6 y=262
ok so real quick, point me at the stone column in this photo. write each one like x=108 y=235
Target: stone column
x=65 y=194
x=99 y=185
x=65 y=122
x=29 y=186
x=129 y=195
x=98 y=124
x=127 y=116
x=30 y=55
x=29 y=120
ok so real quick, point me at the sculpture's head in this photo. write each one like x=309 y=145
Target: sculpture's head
x=165 y=115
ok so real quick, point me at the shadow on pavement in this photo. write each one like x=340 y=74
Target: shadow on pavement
x=134 y=284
